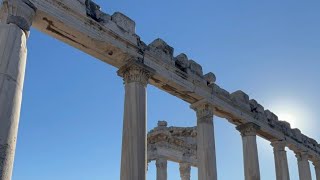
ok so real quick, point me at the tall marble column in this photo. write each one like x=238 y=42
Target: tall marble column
x=134 y=141
x=303 y=165
x=15 y=20
x=250 y=151
x=280 y=159
x=161 y=164
x=206 y=152
x=317 y=168
x=185 y=171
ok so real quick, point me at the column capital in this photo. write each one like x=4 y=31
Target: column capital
x=135 y=71
x=18 y=12
x=279 y=145
x=302 y=155
x=316 y=163
x=185 y=171
x=204 y=111
x=161 y=163
x=248 y=129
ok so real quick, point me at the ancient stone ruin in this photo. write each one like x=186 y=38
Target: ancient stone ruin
x=113 y=40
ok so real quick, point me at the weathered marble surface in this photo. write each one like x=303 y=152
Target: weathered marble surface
x=206 y=152
x=134 y=141
x=281 y=160
x=303 y=165
x=177 y=144
x=112 y=39
x=250 y=151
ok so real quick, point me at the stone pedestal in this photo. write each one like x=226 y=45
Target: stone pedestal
x=161 y=164
x=14 y=26
x=317 y=168
x=280 y=159
x=185 y=171
x=303 y=165
x=250 y=151
x=133 y=159
x=206 y=153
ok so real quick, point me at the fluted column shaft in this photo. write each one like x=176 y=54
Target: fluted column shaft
x=133 y=159
x=16 y=19
x=161 y=164
x=206 y=152
x=281 y=161
x=250 y=151
x=317 y=169
x=304 y=166
x=185 y=171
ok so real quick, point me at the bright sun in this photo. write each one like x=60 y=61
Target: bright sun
x=293 y=112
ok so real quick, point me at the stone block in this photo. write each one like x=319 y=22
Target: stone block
x=272 y=118
x=182 y=62
x=241 y=99
x=256 y=107
x=163 y=50
x=210 y=78
x=285 y=128
x=297 y=134
x=222 y=92
x=195 y=68
x=124 y=22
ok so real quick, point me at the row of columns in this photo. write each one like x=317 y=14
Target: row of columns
x=162 y=174
x=14 y=30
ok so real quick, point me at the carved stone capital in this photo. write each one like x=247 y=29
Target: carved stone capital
x=135 y=72
x=161 y=163
x=248 y=129
x=204 y=112
x=302 y=155
x=316 y=163
x=18 y=12
x=279 y=145
x=185 y=171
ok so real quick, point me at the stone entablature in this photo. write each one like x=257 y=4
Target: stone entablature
x=85 y=26
x=177 y=144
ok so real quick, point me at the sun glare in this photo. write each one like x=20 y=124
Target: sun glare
x=293 y=112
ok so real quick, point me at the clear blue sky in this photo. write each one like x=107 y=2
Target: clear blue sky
x=71 y=120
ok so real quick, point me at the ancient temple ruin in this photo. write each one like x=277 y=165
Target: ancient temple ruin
x=113 y=40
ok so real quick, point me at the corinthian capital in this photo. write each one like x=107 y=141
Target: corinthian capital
x=135 y=71
x=302 y=155
x=18 y=12
x=248 y=129
x=204 y=111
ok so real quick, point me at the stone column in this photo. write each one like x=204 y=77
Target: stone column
x=317 y=168
x=161 y=164
x=303 y=165
x=280 y=159
x=134 y=141
x=206 y=153
x=15 y=21
x=185 y=171
x=250 y=151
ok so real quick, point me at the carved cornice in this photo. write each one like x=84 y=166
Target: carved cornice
x=248 y=129
x=18 y=12
x=279 y=145
x=135 y=71
x=204 y=112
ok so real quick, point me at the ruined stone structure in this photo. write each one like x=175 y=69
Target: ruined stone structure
x=175 y=144
x=112 y=39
